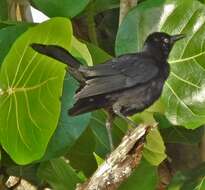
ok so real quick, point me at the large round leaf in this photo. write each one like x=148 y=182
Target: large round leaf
x=30 y=88
x=65 y=8
x=184 y=92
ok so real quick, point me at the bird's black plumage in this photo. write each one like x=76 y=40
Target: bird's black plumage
x=127 y=84
x=124 y=85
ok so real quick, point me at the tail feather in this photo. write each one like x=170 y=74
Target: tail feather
x=57 y=53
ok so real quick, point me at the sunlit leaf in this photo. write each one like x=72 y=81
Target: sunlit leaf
x=154 y=149
x=98 y=55
x=30 y=90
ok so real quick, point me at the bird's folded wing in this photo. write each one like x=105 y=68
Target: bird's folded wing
x=107 y=78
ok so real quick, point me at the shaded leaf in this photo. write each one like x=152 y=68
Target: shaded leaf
x=106 y=29
x=26 y=172
x=3 y=10
x=59 y=174
x=189 y=180
x=103 y=5
x=144 y=177
x=97 y=124
x=64 y=8
x=178 y=134
x=31 y=85
x=7 y=37
x=83 y=148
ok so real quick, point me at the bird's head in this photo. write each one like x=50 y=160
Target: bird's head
x=160 y=43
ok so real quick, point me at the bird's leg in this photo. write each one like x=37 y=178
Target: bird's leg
x=108 y=124
x=116 y=109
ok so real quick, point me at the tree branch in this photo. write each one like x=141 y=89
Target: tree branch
x=120 y=164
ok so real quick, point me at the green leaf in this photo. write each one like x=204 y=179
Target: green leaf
x=31 y=85
x=7 y=37
x=69 y=128
x=26 y=172
x=58 y=174
x=64 y=8
x=144 y=177
x=177 y=134
x=3 y=10
x=81 y=52
x=183 y=93
x=97 y=124
x=139 y=22
x=83 y=148
x=103 y=5
x=154 y=149
x=98 y=159
x=189 y=180
x=98 y=55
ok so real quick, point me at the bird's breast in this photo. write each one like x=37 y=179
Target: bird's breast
x=138 y=98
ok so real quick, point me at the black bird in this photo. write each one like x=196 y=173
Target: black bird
x=124 y=85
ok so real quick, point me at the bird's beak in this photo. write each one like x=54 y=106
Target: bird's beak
x=177 y=37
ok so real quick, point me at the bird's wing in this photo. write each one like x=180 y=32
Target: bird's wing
x=120 y=73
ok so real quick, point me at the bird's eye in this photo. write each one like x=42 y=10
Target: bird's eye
x=166 y=40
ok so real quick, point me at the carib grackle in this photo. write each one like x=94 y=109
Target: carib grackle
x=124 y=85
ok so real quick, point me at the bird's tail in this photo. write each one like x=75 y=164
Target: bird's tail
x=88 y=104
x=57 y=53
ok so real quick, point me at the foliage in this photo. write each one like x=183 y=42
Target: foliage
x=40 y=143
